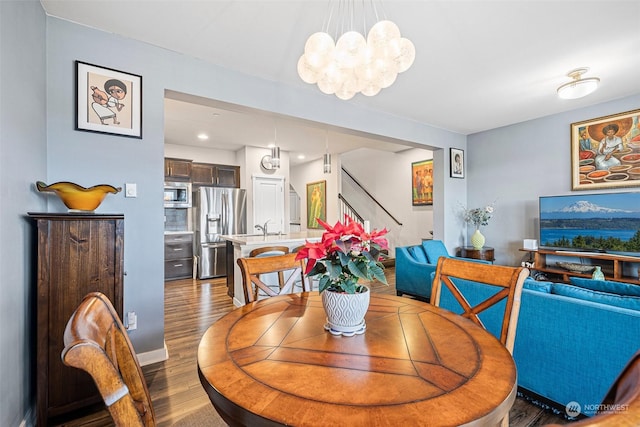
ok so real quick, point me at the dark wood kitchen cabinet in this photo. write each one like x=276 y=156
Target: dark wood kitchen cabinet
x=215 y=175
x=178 y=256
x=228 y=176
x=76 y=254
x=202 y=174
x=177 y=169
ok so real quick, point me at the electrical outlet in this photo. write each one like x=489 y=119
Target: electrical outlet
x=132 y=321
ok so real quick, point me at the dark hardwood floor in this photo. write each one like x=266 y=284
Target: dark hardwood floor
x=191 y=306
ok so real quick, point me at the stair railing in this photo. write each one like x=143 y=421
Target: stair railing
x=345 y=208
x=370 y=196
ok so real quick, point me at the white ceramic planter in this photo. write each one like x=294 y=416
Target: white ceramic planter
x=345 y=312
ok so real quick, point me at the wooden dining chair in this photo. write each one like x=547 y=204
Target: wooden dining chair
x=507 y=280
x=269 y=250
x=621 y=405
x=96 y=341
x=253 y=268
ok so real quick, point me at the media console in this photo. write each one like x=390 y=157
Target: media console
x=613 y=266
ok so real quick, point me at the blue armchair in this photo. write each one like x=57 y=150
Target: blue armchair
x=414 y=265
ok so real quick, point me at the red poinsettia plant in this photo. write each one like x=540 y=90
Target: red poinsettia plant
x=346 y=254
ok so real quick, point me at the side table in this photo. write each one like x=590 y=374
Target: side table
x=486 y=253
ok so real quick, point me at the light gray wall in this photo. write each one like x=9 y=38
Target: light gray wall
x=312 y=172
x=387 y=177
x=22 y=162
x=89 y=158
x=517 y=164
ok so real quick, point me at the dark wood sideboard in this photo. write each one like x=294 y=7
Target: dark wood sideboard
x=76 y=254
x=486 y=253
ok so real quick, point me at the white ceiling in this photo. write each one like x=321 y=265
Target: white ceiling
x=479 y=64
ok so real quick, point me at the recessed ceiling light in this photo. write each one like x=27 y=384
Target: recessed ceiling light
x=271 y=145
x=203 y=136
x=301 y=157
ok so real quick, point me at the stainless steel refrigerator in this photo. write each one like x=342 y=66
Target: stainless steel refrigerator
x=218 y=211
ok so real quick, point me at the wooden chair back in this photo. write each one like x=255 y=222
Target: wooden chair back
x=508 y=279
x=621 y=405
x=96 y=341
x=252 y=268
x=272 y=250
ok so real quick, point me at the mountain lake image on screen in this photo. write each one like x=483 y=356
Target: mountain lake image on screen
x=608 y=222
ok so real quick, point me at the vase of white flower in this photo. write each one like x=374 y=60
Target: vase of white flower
x=478 y=217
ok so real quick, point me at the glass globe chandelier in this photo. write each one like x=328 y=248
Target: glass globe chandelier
x=355 y=64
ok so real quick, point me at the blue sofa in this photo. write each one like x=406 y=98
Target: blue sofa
x=415 y=265
x=572 y=340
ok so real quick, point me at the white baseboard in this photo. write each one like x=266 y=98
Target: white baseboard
x=29 y=419
x=154 y=356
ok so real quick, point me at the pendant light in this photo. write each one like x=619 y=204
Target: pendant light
x=326 y=164
x=275 y=150
x=270 y=162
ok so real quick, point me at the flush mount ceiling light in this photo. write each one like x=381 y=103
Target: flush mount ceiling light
x=354 y=64
x=579 y=87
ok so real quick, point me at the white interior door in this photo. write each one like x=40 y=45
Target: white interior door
x=268 y=202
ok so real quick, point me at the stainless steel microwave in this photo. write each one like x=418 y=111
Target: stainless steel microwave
x=177 y=194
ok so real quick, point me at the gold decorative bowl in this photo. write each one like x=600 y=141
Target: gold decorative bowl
x=76 y=197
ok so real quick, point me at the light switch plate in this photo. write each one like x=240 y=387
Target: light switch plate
x=130 y=190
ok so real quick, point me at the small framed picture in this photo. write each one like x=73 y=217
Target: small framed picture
x=316 y=203
x=108 y=101
x=457 y=162
x=422 y=183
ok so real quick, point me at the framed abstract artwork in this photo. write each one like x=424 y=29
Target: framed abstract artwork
x=316 y=203
x=422 y=183
x=108 y=101
x=456 y=156
x=605 y=152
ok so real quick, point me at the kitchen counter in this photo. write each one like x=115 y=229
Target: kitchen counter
x=258 y=240
x=240 y=245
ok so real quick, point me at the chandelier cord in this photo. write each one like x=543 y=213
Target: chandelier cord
x=329 y=16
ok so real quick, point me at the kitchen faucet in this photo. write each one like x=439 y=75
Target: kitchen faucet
x=263 y=228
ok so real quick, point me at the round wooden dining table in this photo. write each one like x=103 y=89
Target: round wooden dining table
x=272 y=363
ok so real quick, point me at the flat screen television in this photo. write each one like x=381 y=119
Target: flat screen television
x=607 y=222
